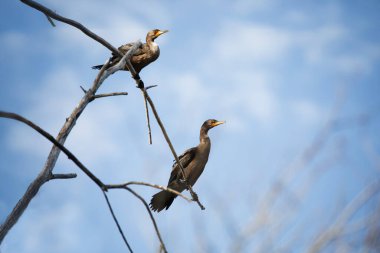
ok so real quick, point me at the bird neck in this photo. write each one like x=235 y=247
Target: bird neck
x=203 y=137
x=153 y=46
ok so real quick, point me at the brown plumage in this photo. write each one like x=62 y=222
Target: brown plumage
x=146 y=54
x=193 y=161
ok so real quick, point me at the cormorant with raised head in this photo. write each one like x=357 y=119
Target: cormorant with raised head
x=145 y=55
x=193 y=161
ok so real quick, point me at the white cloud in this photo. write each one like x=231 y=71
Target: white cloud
x=252 y=43
x=242 y=43
x=248 y=95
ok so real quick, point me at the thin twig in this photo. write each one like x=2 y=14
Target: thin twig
x=116 y=221
x=147 y=118
x=71 y=22
x=151 y=217
x=48 y=136
x=125 y=60
x=150 y=87
x=147 y=112
x=50 y=20
x=83 y=89
x=63 y=176
x=140 y=85
x=110 y=95
x=121 y=186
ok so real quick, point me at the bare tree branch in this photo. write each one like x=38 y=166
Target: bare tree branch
x=147 y=119
x=135 y=75
x=123 y=186
x=56 y=143
x=63 y=176
x=50 y=21
x=110 y=95
x=117 y=222
x=46 y=172
x=69 y=124
x=151 y=217
x=97 y=181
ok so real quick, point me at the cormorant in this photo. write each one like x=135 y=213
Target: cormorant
x=193 y=161
x=146 y=54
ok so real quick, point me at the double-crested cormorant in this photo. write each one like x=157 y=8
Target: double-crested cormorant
x=146 y=54
x=193 y=161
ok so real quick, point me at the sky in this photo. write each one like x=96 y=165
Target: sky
x=297 y=82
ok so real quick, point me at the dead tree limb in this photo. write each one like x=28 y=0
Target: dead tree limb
x=135 y=75
x=71 y=157
x=123 y=186
x=96 y=180
x=63 y=176
x=163 y=247
x=56 y=143
x=113 y=94
x=46 y=171
x=117 y=222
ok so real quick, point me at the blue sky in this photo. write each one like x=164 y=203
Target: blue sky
x=275 y=71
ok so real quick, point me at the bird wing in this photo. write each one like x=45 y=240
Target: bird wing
x=185 y=160
x=125 y=48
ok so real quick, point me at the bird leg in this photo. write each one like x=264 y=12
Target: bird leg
x=140 y=83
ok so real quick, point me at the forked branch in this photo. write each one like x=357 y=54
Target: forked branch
x=97 y=181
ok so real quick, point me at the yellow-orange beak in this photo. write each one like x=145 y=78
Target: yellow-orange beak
x=217 y=123
x=161 y=32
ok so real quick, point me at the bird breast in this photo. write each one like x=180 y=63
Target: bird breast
x=154 y=47
x=196 y=167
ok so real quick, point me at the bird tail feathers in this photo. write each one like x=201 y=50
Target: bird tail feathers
x=162 y=200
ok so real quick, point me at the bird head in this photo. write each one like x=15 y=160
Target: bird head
x=154 y=34
x=208 y=124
